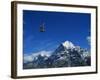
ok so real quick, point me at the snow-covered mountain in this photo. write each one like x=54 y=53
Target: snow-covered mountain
x=69 y=55
x=68 y=44
x=35 y=60
x=66 y=55
x=34 y=56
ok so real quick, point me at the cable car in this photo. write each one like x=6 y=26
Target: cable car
x=42 y=28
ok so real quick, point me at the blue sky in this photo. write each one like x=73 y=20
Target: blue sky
x=60 y=26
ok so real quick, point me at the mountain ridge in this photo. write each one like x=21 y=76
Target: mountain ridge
x=66 y=55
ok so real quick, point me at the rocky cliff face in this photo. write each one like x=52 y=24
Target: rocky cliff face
x=66 y=55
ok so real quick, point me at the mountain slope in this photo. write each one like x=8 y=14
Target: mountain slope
x=66 y=55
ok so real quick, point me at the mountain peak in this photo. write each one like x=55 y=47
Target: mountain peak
x=68 y=44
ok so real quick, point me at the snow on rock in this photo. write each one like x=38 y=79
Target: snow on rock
x=68 y=44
